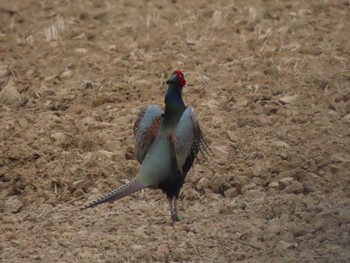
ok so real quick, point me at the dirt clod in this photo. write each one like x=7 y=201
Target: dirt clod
x=12 y=205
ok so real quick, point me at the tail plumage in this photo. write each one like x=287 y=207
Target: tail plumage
x=118 y=193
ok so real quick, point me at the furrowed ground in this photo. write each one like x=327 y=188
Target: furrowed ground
x=270 y=83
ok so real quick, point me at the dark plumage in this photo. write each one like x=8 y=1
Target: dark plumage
x=166 y=144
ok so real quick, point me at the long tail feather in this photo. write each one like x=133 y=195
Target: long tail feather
x=118 y=193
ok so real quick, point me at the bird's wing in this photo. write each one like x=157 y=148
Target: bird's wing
x=187 y=138
x=146 y=129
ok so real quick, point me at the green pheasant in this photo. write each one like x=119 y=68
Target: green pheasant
x=166 y=145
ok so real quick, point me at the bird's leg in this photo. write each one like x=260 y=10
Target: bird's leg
x=173 y=209
x=174 y=215
x=171 y=206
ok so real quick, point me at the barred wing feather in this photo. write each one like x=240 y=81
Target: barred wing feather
x=146 y=129
x=187 y=139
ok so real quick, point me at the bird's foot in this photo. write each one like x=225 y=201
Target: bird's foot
x=175 y=218
x=173 y=209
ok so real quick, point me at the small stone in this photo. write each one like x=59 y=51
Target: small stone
x=226 y=209
x=116 y=60
x=9 y=94
x=295 y=188
x=137 y=247
x=81 y=50
x=112 y=47
x=3 y=70
x=30 y=72
x=22 y=122
x=129 y=153
x=178 y=255
x=47 y=195
x=85 y=185
x=274 y=185
x=12 y=205
x=190 y=194
x=203 y=183
x=53 y=44
x=242 y=205
x=113 y=146
x=232 y=192
x=232 y=136
x=287 y=245
x=67 y=74
x=287 y=99
x=9 y=7
x=104 y=155
x=163 y=249
x=284 y=182
x=271 y=71
x=78 y=193
x=52 y=77
x=59 y=138
x=250 y=186
x=280 y=144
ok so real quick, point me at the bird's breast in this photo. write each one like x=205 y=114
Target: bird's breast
x=158 y=162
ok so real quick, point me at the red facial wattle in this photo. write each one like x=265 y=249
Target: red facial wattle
x=181 y=77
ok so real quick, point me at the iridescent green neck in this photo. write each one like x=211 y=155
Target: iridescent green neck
x=174 y=105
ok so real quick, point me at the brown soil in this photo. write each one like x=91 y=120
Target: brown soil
x=270 y=83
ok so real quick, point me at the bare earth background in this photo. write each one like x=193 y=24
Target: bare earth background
x=270 y=82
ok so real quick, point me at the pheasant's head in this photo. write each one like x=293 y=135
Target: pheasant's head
x=177 y=78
